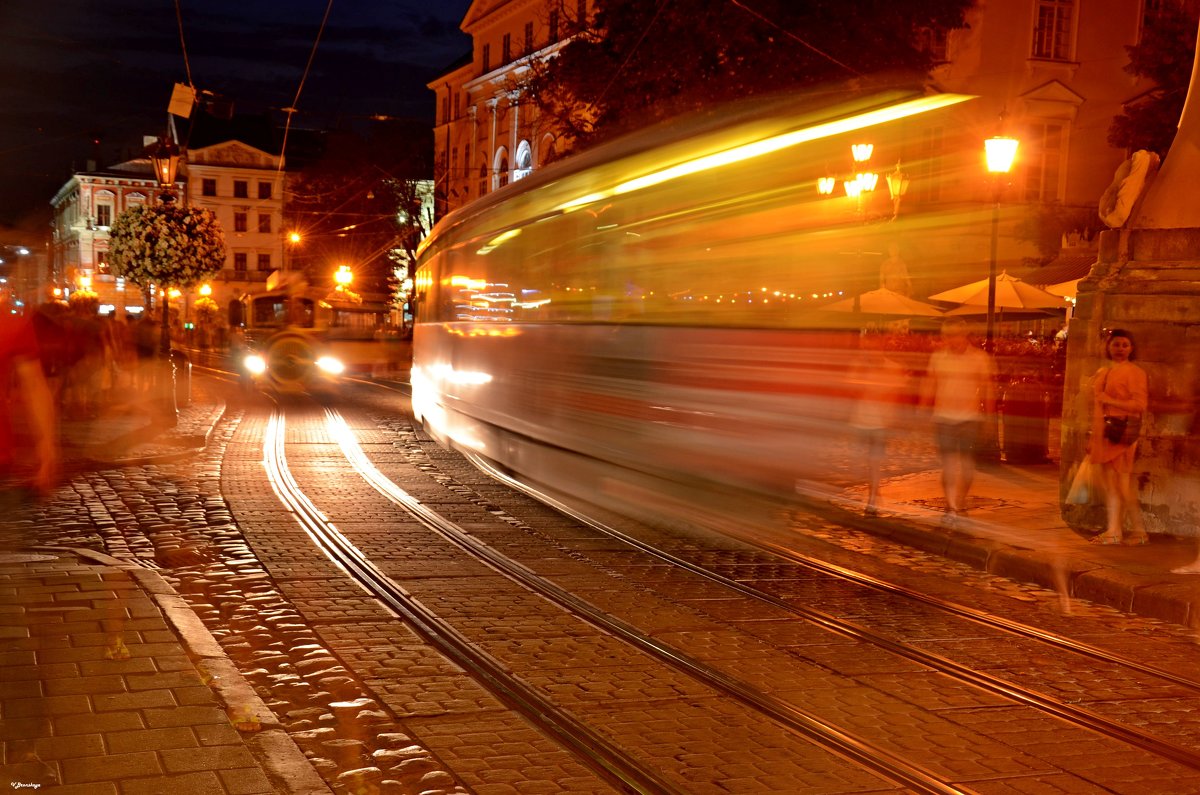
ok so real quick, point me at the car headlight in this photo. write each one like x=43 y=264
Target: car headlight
x=255 y=364
x=329 y=364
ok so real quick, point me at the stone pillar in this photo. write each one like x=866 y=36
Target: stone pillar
x=1147 y=280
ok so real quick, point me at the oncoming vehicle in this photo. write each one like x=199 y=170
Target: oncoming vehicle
x=648 y=325
x=305 y=340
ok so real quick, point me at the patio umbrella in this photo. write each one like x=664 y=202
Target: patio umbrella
x=1011 y=294
x=885 y=302
x=1065 y=289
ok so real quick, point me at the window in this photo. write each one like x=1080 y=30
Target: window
x=445 y=109
x=241 y=189
x=134 y=199
x=482 y=180
x=102 y=262
x=553 y=25
x=1052 y=30
x=506 y=48
x=454 y=162
x=264 y=262
x=239 y=262
x=264 y=190
x=239 y=221
x=104 y=214
x=933 y=42
x=524 y=161
x=1043 y=160
x=581 y=13
x=487 y=58
x=457 y=111
x=528 y=37
x=928 y=180
x=208 y=186
x=264 y=223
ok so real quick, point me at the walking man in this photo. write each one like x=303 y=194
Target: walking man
x=961 y=390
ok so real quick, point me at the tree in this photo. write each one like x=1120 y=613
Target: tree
x=354 y=203
x=1164 y=55
x=643 y=62
x=167 y=245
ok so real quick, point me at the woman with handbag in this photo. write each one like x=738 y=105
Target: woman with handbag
x=1120 y=400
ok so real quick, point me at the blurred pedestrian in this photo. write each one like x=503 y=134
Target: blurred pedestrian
x=1120 y=389
x=28 y=435
x=961 y=389
x=146 y=335
x=879 y=386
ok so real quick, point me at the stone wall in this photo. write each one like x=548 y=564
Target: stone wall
x=1146 y=281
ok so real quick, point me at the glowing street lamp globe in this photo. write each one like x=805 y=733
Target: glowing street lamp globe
x=1000 y=152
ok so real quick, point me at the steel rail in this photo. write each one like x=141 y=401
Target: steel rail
x=821 y=733
x=980 y=679
x=608 y=761
x=866 y=580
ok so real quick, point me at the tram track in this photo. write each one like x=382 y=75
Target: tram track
x=820 y=732
x=601 y=756
x=359 y=566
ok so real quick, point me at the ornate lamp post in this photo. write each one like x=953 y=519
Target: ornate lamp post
x=165 y=157
x=1000 y=152
x=897 y=183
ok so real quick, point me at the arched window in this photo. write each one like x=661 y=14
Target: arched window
x=524 y=166
x=500 y=168
x=546 y=152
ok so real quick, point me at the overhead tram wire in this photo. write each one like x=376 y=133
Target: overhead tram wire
x=291 y=109
x=796 y=38
x=187 y=66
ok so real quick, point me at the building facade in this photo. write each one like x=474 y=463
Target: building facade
x=485 y=135
x=242 y=185
x=1048 y=72
x=84 y=211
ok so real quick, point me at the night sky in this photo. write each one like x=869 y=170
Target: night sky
x=75 y=70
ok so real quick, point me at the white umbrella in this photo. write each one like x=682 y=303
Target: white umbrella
x=1065 y=289
x=1011 y=293
x=885 y=302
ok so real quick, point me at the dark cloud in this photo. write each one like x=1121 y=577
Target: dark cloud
x=74 y=69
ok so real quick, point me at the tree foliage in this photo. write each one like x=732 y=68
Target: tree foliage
x=641 y=62
x=1164 y=55
x=166 y=244
x=357 y=203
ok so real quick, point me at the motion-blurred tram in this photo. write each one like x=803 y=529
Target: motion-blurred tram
x=304 y=339
x=647 y=325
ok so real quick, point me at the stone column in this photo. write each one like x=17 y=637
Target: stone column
x=1147 y=280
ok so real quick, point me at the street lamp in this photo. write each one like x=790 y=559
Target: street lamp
x=897 y=182
x=343 y=276
x=165 y=157
x=1000 y=152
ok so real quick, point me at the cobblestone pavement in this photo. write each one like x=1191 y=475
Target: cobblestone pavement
x=374 y=709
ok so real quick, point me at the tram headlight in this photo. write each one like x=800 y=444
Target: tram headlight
x=330 y=365
x=255 y=364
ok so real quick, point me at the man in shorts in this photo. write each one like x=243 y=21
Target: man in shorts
x=961 y=390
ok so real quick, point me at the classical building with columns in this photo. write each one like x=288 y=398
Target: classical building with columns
x=485 y=136
x=243 y=185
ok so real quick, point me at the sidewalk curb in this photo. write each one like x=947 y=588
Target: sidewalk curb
x=281 y=759
x=1149 y=595
x=180 y=444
